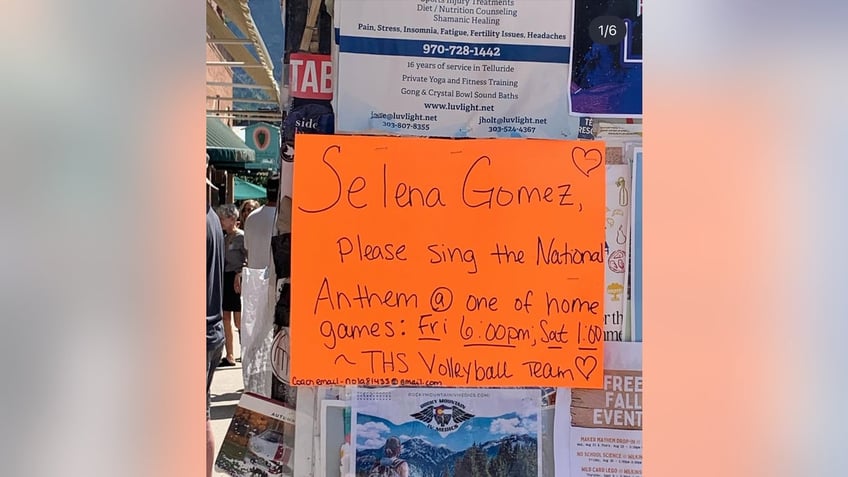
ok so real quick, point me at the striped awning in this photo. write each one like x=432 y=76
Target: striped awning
x=244 y=47
x=224 y=146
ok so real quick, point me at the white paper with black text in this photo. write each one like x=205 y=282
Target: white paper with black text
x=598 y=432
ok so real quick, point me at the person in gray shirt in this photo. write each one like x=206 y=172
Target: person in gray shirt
x=235 y=257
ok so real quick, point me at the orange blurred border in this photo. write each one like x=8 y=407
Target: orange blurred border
x=709 y=193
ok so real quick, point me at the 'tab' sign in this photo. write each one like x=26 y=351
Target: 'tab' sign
x=311 y=76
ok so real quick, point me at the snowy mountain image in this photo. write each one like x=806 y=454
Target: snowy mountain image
x=504 y=446
x=510 y=456
x=424 y=459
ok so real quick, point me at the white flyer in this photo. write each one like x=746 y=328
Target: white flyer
x=454 y=68
x=598 y=432
x=617 y=249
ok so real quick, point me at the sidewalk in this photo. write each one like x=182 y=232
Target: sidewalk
x=227 y=386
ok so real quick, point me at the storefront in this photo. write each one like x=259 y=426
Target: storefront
x=227 y=153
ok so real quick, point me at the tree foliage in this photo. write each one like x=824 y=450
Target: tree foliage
x=511 y=460
x=474 y=463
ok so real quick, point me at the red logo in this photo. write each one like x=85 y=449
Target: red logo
x=311 y=76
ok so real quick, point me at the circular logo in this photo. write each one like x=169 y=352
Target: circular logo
x=262 y=138
x=280 y=355
x=616 y=261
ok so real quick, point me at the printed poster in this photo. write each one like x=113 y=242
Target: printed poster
x=617 y=250
x=454 y=68
x=260 y=440
x=433 y=432
x=598 y=432
x=606 y=59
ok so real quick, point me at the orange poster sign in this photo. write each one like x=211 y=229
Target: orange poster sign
x=438 y=262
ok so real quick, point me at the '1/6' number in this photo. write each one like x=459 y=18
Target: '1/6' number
x=607 y=30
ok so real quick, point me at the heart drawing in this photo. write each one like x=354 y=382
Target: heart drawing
x=586 y=365
x=586 y=161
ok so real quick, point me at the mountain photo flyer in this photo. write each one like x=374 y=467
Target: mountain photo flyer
x=441 y=432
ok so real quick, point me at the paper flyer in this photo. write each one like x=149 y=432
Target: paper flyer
x=617 y=134
x=598 y=432
x=260 y=440
x=429 y=432
x=387 y=294
x=617 y=130
x=454 y=68
x=617 y=245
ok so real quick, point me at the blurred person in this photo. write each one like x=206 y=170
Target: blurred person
x=214 y=312
x=247 y=207
x=391 y=465
x=259 y=227
x=235 y=257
